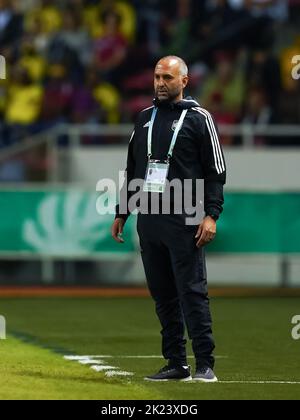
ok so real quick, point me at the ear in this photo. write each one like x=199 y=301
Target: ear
x=185 y=81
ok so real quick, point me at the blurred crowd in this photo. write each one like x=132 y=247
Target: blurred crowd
x=91 y=61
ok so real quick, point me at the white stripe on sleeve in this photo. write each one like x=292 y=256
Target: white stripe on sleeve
x=219 y=161
x=132 y=136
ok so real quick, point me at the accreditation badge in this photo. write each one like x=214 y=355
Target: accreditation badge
x=156 y=176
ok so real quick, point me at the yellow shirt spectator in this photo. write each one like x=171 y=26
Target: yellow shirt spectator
x=35 y=65
x=230 y=92
x=109 y=99
x=49 y=19
x=92 y=18
x=24 y=104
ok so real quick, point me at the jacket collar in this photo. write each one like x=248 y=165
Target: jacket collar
x=186 y=103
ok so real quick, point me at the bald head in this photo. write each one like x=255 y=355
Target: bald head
x=170 y=78
x=174 y=61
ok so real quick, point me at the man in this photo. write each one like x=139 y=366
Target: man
x=172 y=251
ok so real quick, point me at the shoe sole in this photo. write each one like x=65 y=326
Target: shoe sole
x=189 y=378
x=206 y=381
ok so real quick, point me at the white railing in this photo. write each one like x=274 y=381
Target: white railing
x=120 y=134
x=246 y=132
x=74 y=132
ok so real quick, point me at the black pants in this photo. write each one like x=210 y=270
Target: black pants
x=176 y=276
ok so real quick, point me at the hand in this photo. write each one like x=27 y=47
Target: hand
x=206 y=231
x=117 y=230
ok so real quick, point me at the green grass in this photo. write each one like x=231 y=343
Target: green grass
x=255 y=334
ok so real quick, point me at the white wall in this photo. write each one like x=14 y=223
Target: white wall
x=260 y=170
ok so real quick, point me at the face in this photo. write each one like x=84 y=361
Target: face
x=169 y=83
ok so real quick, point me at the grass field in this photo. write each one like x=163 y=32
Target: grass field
x=253 y=338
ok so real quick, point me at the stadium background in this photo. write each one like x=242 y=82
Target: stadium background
x=77 y=73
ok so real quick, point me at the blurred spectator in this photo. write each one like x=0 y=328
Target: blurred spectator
x=262 y=24
x=95 y=102
x=109 y=99
x=127 y=18
x=24 y=99
x=58 y=95
x=224 y=90
x=84 y=61
x=31 y=60
x=258 y=112
x=179 y=30
x=39 y=39
x=111 y=48
x=220 y=27
x=74 y=37
x=149 y=21
x=84 y=108
x=10 y=24
x=264 y=70
x=48 y=16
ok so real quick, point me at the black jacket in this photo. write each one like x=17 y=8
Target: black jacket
x=197 y=153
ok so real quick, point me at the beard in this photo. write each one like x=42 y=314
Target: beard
x=167 y=96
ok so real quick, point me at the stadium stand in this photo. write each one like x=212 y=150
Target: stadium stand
x=83 y=61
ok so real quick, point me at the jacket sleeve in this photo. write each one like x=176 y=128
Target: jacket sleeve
x=122 y=210
x=214 y=169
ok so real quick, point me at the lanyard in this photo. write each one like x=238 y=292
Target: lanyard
x=175 y=135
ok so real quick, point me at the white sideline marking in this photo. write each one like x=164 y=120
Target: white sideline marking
x=260 y=382
x=100 y=368
x=98 y=365
x=118 y=373
x=91 y=362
